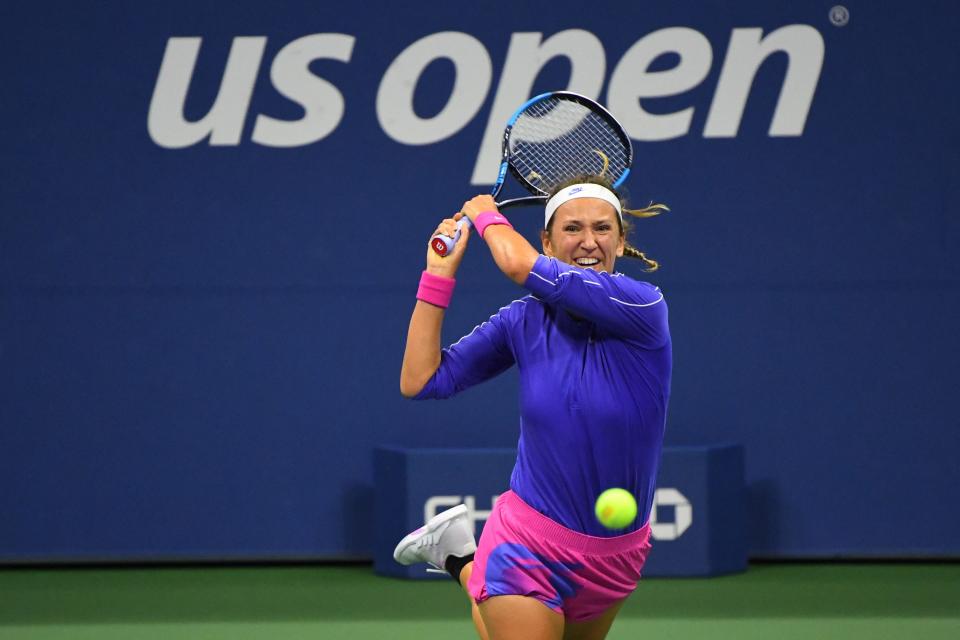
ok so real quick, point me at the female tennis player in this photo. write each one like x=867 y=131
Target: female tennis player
x=594 y=355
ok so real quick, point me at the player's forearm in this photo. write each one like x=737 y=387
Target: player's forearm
x=421 y=357
x=511 y=251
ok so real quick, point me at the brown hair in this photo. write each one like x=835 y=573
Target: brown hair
x=626 y=226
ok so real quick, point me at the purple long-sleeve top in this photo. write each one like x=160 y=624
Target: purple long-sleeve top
x=594 y=355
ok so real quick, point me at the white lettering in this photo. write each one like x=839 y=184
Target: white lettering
x=436 y=504
x=322 y=103
x=631 y=81
x=525 y=58
x=224 y=121
x=668 y=497
x=803 y=45
x=395 y=95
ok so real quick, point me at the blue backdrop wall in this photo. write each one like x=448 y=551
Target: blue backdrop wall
x=213 y=217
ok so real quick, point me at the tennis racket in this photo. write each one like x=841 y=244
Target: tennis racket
x=552 y=138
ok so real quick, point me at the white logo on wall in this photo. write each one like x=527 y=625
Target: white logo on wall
x=682 y=510
x=682 y=514
x=630 y=82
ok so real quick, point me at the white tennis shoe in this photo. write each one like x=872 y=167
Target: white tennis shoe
x=446 y=534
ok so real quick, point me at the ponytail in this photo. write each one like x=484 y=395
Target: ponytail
x=630 y=251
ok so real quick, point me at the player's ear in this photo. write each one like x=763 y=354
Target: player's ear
x=545 y=241
x=621 y=245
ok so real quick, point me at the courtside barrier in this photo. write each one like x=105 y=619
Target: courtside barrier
x=698 y=520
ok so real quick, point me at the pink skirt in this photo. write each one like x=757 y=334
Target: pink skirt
x=523 y=552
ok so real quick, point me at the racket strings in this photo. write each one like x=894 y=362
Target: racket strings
x=583 y=150
x=558 y=139
x=548 y=165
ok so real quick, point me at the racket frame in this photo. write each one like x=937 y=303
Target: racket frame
x=443 y=245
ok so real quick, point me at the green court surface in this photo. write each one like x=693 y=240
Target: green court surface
x=770 y=601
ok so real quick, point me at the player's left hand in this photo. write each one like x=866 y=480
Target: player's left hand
x=477 y=205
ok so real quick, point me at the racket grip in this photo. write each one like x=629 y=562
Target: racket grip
x=442 y=245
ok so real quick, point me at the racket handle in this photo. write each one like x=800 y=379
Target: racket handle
x=442 y=245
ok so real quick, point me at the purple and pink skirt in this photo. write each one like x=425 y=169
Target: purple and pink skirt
x=523 y=552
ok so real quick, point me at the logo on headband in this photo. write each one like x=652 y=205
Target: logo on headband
x=574 y=190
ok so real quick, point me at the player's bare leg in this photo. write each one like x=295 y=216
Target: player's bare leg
x=474 y=610
x=520 y=618
x=595 y=629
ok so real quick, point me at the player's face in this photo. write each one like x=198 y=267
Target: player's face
x=585 y=233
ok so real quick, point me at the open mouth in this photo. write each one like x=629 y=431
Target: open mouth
x=587 y=262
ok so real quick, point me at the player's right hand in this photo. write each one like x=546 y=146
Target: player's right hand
x=448 y=265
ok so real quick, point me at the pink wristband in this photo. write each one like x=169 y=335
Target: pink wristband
x=488 y=218
x=436 y=290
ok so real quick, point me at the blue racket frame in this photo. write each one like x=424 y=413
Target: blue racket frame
x=443 y=244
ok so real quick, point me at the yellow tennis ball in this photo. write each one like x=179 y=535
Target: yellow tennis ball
x=616 y=508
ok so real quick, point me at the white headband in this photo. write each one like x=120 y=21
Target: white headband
x=582 y=190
